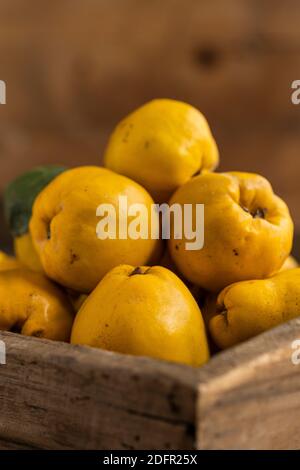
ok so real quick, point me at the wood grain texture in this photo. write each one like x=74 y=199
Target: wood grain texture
x=70 y=79
x=10 y=445
x=250 y=396
x=57 y=396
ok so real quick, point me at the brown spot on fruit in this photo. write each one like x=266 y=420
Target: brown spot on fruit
x=73 y=257
x=127 y=132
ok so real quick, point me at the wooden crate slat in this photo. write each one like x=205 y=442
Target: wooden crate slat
x=57 y=396
x=249 y=396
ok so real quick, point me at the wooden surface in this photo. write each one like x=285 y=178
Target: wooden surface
x=73 y=69
x=57 y=396
x=250 y=398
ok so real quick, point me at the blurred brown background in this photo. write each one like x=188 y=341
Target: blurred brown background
x=73 y=68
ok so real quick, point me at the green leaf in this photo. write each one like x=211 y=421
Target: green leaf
x=21 y=193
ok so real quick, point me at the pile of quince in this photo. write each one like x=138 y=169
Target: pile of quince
x=143 y=296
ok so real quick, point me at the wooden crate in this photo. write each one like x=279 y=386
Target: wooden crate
x=57 y=396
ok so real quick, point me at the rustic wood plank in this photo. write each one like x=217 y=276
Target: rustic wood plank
x=58 y=396
x=235 y=63
x=225 y=62
x=249 y=396
x=55 y=395
x=9 y=445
